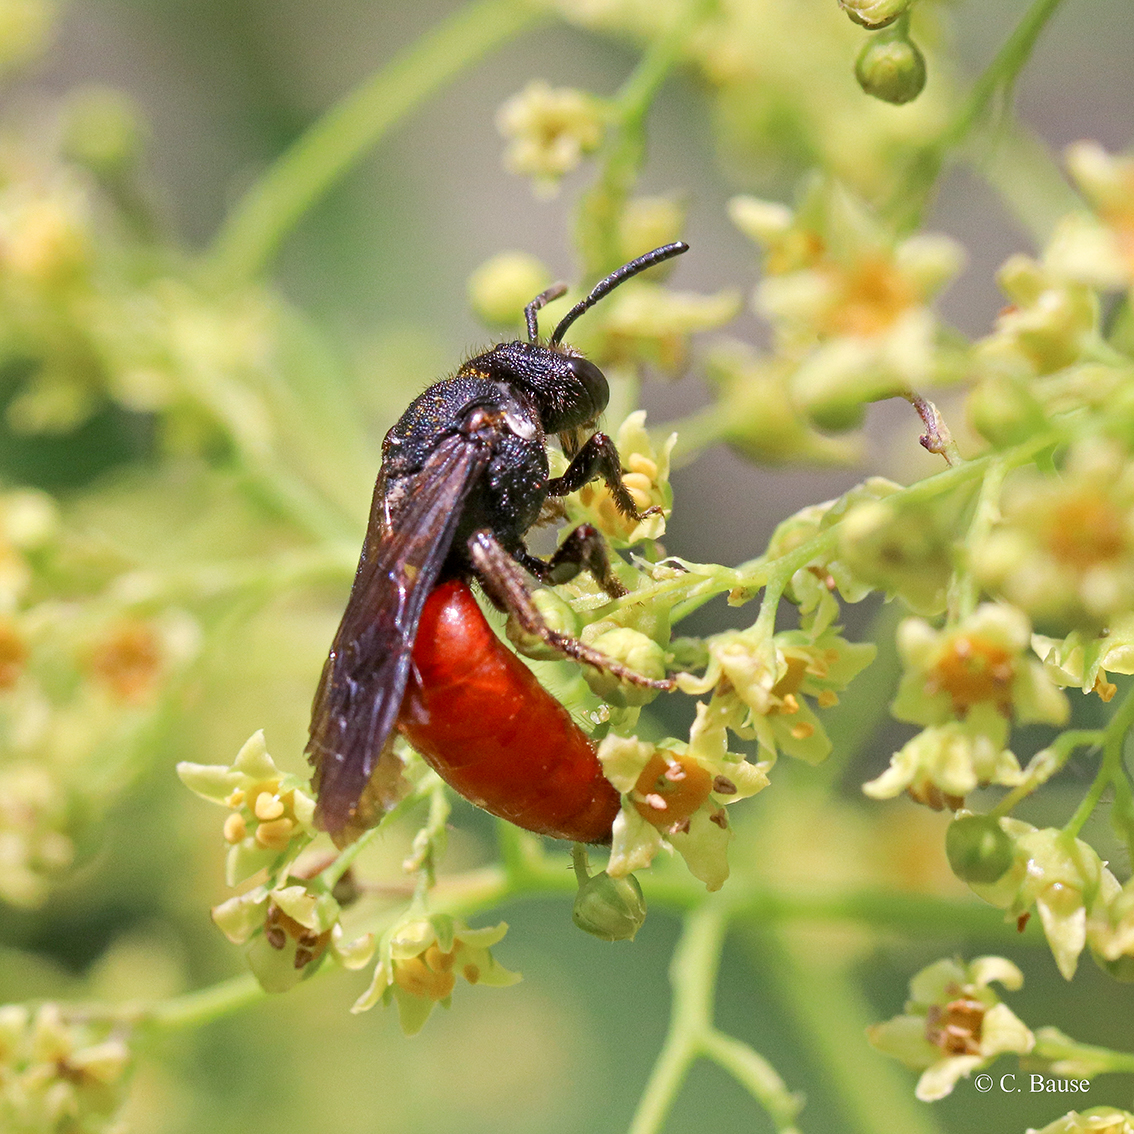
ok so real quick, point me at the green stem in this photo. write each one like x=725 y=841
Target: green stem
x=998 y=79
x=601 y=208
x=693 y=975
x=1053 y=1047
x=308 y=168
x=1061 y=747
x=1110 y=770
x=964 y=590
x=202 y=1006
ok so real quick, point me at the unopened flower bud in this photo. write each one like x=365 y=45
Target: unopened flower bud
x=633 y=649
x=978 y=848
x=1004 y=411
x=102 y=131
x=556 y=614
x=500 y=288
x=611 y=909
x=874 y=13
x=891 y=68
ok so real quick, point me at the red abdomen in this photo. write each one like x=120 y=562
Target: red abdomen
x=480 y=718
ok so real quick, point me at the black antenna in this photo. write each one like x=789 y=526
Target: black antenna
x=541 y=300
x=604 y=287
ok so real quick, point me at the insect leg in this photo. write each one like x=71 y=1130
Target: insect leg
x=598 y=458
x=503 y=582
x=583 y=550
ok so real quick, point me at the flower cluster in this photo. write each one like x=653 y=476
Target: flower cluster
x=59 y=1072
x=550 y=130
x=85 y=660
x=848 y=306
x=967 y=683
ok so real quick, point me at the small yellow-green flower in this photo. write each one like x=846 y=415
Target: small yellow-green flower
x=756 y=414
x=1064 y=551
x=1063 y=877
x=271 y=814
x=1097 y=247
x=287 y=929
x=420 y=959
x=954 y=1023
x=549 y=132
x=504 y=285
x=1083 y=660
x=1097 y=1120
x=654 y=323
x=763 y=687
x=846 y=303
x=903 y=550
x=943 y=763
x=1110 y=927
x=979 y=669
x=1047 y=327
x=673 y=796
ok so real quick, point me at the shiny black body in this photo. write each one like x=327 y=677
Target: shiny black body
x=464 y=477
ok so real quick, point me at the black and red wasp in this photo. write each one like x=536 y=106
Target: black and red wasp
x=464 y=477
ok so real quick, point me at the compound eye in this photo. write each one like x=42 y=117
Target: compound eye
x=593 y=382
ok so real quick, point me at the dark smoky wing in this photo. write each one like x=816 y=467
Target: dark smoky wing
x=364 y=678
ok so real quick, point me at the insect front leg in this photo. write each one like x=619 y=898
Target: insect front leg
x=599 y=458
x=503 y=581
x=583 y=550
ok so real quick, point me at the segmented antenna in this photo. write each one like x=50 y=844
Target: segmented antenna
x=541 y=300
x=603 y=287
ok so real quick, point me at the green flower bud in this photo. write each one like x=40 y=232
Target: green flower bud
x=1004 y=411
x=874 y=13
x=557 y=615
x=903 y=551
x=612 y=909
x=633 y=649
x=103 y=131
x=891 y=68
x=838 y=415
x=978 y=848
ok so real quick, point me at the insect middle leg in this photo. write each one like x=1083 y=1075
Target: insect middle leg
x=599 y=458
x=503 y=581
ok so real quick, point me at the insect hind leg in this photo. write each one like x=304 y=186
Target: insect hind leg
x=504 y=583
